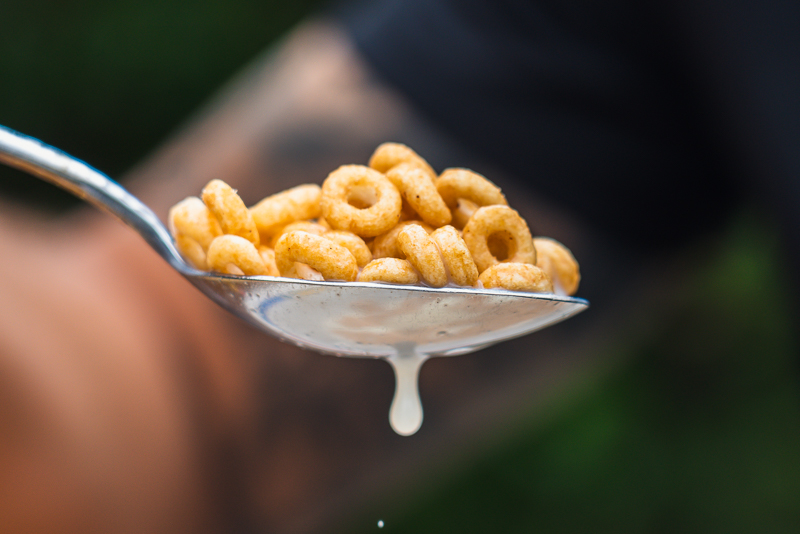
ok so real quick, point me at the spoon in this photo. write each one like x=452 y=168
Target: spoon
x=405 y=325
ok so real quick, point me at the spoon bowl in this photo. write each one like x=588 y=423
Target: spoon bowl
x=403 y=324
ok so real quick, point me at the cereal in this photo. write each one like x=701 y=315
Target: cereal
x=377 y=200
x=516 y=277
x=464 y=210
x=307 y=226
x=393 y=221
x=388 y=155
x=230 y=211
x=456 y=256
x=268 y=255
x=385 y=245
x=419 y=192
x=558 y=262
x=191 y=218
x=505 y=222
x=233 y=254
x=422 y=252
x=296 y=204
x=332 y=261
x=391 y=270
x=463 y=183
x=192 y=251
x=353 y=243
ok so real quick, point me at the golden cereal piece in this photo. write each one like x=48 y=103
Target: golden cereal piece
x=422 y=252
x=360 y=200
x=191 y=218
x=296 y=204
x=389 y=155
x=268 y=255
x=306 y=226
x=230 y=211
x=516 y=277
x=191 y=251
x=227 y=251
x=333 y=261
x=391 y=270
x=420 y=193
x=457 y=258
x=357 y=247
x=464 y=210
x=463 y=183
x=511 y=230
x=385 y=245
x=560 y=265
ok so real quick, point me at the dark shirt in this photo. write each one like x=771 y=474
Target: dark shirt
x=650 y=121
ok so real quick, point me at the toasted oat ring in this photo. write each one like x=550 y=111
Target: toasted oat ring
x=295 y=204
x=389 y=155
x=307 y=226
x=457 y=258
x=268 y=255
x=560 y=265
x=423 y=254
x=333 y=261
x=353 y=243
x=366 y=187
x=391 y=270
x=229 y=209
x=191 y=218
x=385 y=245
x=463 y=211
x=420 y=193
x=233 y=250
x=191 y=251
x=463 y=183
x=516 y=277
x=493 y=220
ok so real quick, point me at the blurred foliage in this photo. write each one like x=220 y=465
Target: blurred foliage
x=698 y=433
x=107 y=81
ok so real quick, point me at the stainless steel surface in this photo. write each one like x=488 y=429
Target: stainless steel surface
x=403 y=324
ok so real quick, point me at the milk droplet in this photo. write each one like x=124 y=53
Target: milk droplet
x=405 y=415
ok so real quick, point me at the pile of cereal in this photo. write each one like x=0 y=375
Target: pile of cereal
x=393 y=221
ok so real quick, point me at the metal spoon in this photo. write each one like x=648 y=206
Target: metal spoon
x=403 y=324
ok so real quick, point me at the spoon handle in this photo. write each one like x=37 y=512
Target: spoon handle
x=59 y=168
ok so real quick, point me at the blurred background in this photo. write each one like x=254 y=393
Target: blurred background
x=694 y=427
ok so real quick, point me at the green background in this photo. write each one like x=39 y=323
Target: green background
x=697 y=431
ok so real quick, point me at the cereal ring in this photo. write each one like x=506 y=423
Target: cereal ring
x=423 y=254
x=306 y=226
x=360 y=200
x=233 y=254
x=295 y=204
x=388 y=155
x=385 y=245
x=333 y=261
x=191 y=251
x=420 y=193
x=268 y=255
x=191 y=218
x=464 y=210
x=230 y=211
x=516 y=277
x=304 y=272
x=463 y=183
x=508 y=226
x=457 y=259
x=558 y=262
x=353 y=243
x=391 y=270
